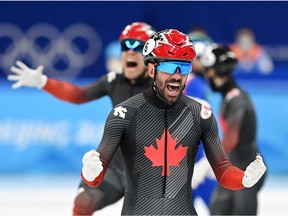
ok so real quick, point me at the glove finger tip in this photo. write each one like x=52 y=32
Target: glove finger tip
x=259 y=157
x=16 y=86
x=40 y=67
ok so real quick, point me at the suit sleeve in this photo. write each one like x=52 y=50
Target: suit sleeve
x=112 y=137
x=74 y=94
x=227 y=175
x=233 y=123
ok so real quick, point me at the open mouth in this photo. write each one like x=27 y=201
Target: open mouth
x=173 y=87
x=131 y=64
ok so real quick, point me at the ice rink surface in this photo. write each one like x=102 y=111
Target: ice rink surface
x=53 y=195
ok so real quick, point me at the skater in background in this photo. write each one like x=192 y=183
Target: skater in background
x=112 y=54
x=239 y=127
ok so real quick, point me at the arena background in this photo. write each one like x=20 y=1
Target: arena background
x=40 y=135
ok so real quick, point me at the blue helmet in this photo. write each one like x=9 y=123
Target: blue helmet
x=113 y=50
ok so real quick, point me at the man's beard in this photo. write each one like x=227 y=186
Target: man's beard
x=160 y=89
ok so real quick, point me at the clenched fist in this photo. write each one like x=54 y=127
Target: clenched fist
x=92 y=165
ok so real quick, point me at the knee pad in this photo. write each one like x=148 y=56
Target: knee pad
x=84 y=204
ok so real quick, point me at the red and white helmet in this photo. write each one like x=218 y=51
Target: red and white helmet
x=169 y=44
x=137 y=31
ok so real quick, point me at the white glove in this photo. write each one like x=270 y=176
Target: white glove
x=202 y=169
x=92 y=165
x=254 y=172
x=26 y=76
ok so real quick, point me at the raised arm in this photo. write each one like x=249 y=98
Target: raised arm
x=74 y=94
x=25 y=76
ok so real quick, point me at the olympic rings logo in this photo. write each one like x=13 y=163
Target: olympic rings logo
x=64 y=53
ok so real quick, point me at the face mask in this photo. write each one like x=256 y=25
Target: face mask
x=245 y=42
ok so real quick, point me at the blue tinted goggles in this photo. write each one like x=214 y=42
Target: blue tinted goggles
x=135 y=45
x=175 y=67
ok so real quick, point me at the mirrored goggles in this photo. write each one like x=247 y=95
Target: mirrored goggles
x=135 y=45
x=175 y=67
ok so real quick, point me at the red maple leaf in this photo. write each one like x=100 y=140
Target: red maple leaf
x=174 y=156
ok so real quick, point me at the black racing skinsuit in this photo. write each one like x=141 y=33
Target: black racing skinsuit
x=159 y=143
x=118 y=88
x=238 y=121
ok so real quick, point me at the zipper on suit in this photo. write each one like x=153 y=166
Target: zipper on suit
x=165 y=152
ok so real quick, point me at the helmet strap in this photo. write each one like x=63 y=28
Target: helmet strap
x=154 y=79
